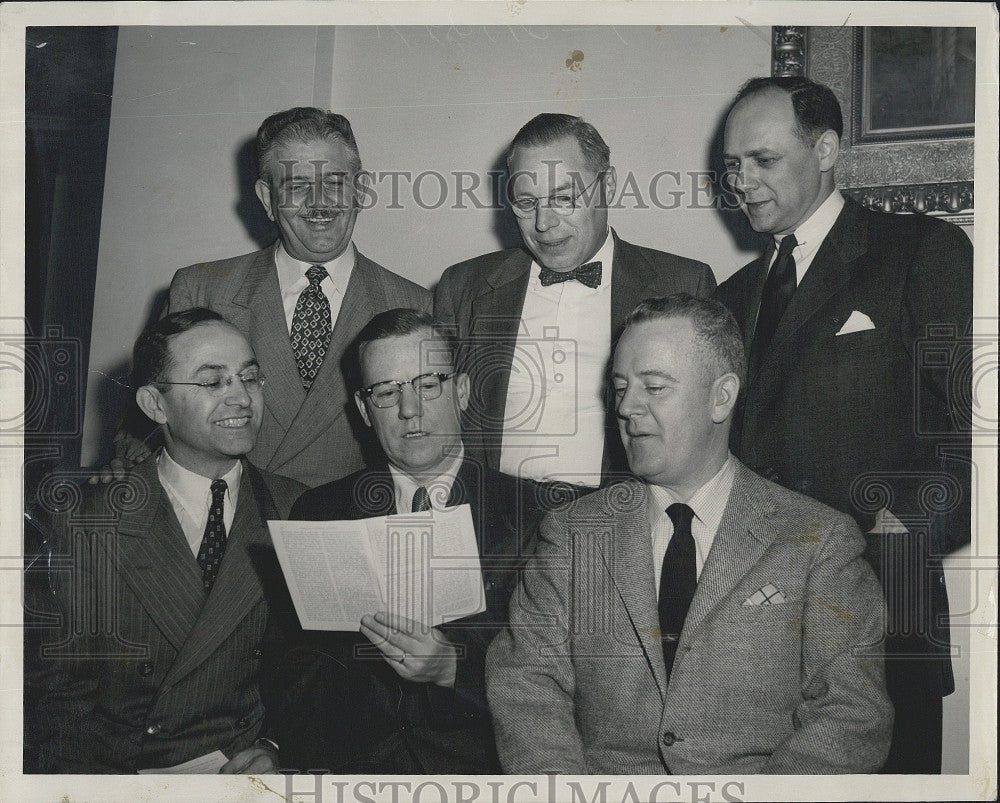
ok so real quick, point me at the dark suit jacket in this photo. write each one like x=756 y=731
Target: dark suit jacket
x=347 y=712
x=142 y=670
x=312 y=437
x=577 y=682
x=864 y=421
x=482 y=299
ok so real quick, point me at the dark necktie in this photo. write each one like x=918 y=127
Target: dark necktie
x=589 y=274
x=421 y=500
x=311 y=328
x=678 y=580
x=213 y=543
x=774 y=300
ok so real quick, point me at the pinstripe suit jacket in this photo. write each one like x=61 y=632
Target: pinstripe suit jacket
x=577 y=683
x=313 y=437
x=142 y=670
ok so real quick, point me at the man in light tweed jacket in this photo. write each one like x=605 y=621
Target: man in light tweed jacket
x=769 y=659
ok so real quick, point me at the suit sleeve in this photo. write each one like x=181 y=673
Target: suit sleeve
x=844 y=722
x=180 y=296
x=706 y=281
x=937 y=300
x=530 y=680
x=66 y=691
x=445 y=310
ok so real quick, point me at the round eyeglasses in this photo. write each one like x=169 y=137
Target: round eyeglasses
x=252 y=380
x=562 y=203
x=386 y=394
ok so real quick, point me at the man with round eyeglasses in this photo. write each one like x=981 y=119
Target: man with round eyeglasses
x=536 y=324
x=158 y=658
x=419 y=705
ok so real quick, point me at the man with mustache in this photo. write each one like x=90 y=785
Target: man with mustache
x=302 y=300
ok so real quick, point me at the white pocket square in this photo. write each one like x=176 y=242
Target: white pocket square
x=768 y=595
x=858 y=322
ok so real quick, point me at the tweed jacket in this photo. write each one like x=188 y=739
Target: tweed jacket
x=577 y=682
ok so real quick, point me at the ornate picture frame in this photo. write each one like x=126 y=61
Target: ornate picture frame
x=923 y=176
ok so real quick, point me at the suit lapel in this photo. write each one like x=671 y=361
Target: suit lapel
x=259 y=312
x=497 y=316
x=156 y=561
x=742 y=538
x=628 y=556
x=633 y=280
x=830 y=270
x=328 y=398
x=237 y=589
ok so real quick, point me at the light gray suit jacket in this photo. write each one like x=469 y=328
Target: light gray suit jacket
x=312 y=437
x=577 y=682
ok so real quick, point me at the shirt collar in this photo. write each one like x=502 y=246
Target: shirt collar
x=708 y=503
x=439 y=488
x=193 y=489
x=811 y=232
x=605 y=255
x=292 y=271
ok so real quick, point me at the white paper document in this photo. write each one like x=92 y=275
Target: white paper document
x=203 y=765
x=421 y=566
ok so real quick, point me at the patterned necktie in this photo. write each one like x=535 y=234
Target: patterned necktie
x=213 y=543
x=589 y=274
x=421 y=500
x=774 y=300
x=311 y=327
x=678 y=580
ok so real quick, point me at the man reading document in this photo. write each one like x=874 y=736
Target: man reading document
x=400 y=696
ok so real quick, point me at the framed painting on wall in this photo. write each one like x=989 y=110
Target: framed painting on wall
x=908 y=98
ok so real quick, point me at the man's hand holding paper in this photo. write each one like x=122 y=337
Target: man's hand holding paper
x=415 y=651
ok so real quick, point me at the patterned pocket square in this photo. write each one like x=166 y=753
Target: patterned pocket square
x=768 y=595
x=858 y=322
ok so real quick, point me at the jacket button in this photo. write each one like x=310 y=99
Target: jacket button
x=146 y=669
x=153 y=730
x=242 y=722
x=669 y=738
x=257 y=652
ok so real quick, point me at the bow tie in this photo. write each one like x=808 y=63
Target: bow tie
x=589 y=274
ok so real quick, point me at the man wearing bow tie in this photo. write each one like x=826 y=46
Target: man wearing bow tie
x=696 y=618
x=537 y=324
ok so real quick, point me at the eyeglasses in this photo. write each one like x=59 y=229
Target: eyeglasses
x=562 y=203
x=426 y=386
x=252 y=379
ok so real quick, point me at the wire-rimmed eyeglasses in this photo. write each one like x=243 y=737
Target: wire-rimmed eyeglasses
x=387 y=394
x=252 y=380
x=562 y=203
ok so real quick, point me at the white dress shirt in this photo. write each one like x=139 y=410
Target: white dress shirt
x=708 y=504
x=555 y=408
x=190 y=496
x=292 y=280
x=810 y=235
x=438 y=488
